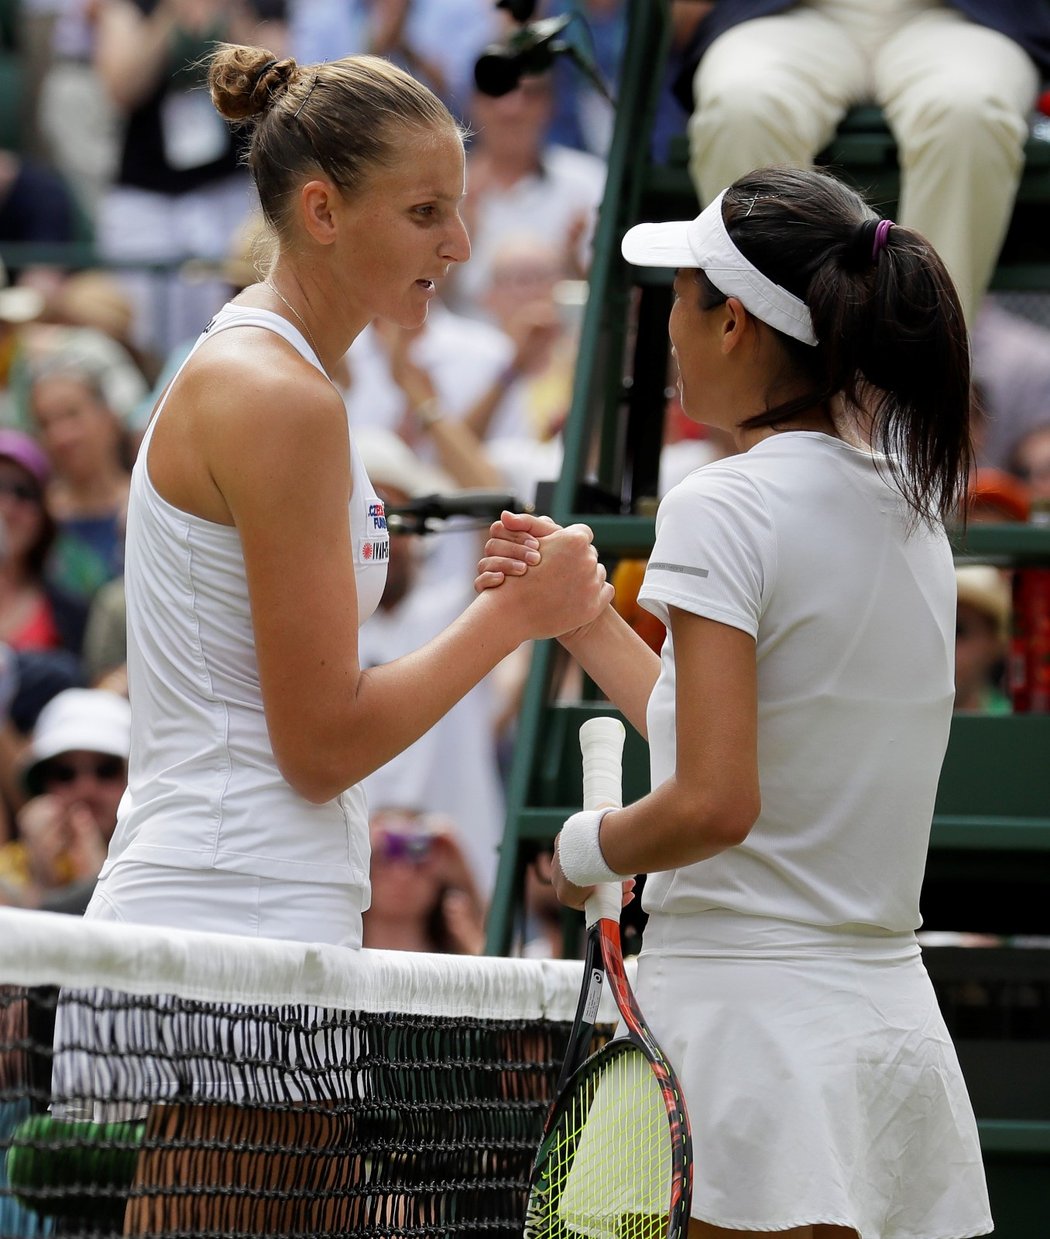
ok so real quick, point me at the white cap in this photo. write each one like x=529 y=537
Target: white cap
x=91 y=720
x=19 y=303
x=705 y=243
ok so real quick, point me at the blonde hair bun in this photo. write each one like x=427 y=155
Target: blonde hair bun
x=245 y=81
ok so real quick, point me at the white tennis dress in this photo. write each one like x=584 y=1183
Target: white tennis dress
x=783 y=977
x=209 y=834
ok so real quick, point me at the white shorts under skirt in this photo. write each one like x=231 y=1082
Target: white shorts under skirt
x=820 y=1079
x=220 y=901
x=117 y=1078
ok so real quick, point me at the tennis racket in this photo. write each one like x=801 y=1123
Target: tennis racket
x=615 y=1161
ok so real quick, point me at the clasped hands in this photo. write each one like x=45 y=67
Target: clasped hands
x=516 y=544
x=577 y=592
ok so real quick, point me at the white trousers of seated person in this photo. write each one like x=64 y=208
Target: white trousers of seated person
x=956 y=95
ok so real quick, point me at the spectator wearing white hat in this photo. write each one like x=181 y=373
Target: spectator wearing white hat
x=75 y=771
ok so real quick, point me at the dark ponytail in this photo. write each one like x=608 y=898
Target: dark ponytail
x=892 y=337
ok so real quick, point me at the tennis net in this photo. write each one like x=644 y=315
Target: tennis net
x=155 y=1082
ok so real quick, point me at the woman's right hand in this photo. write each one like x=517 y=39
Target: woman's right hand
x=564 y=591
x=513 y=547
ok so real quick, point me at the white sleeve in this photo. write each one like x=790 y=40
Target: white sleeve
x=715 y=550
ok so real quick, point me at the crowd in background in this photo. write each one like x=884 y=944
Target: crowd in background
x=117 y=147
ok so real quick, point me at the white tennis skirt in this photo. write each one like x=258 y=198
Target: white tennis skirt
x=819 y=1076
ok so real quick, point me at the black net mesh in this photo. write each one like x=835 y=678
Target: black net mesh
x=147 y=1114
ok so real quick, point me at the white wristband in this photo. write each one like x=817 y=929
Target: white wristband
x=579 y=851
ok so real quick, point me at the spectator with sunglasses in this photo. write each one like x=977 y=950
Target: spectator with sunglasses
x=75 y=771
x=423 y=895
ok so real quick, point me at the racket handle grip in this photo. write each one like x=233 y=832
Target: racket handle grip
x=601 y=743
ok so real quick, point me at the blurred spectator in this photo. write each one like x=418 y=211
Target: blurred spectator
x=583 y=117
x=179 y=190
x=459 y=451
x=956 y=82
x=423 y=895
x=518 y=184
x=464 y=359
x=42 y=674
x=1011 y=360
x=90 y=478
x=29 y=679
x=36 y=205
x=437 y=41
x=97 y=300
x=982 y=630
x=544 y=914
x=440 y=388
x=28 y=344
x=995 y=495
x=540 y=313
x=75 y=771
x=34 y=615
x=18 y=306
x=1030 y=460
x=74 y=124
x=104 y=654
x=244 y=264
x=452 y=769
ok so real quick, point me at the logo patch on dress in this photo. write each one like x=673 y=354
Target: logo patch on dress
x=377 y=515
x=375 y=550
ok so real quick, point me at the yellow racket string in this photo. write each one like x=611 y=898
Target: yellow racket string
x=608 y=1169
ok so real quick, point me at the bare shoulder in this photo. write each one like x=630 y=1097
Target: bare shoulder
x=248 y=411
x=253 y=381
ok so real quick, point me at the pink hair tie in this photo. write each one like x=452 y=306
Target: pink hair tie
x=882 y=232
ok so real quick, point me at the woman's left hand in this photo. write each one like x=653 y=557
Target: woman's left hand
x=512 y=547
x=573 y=896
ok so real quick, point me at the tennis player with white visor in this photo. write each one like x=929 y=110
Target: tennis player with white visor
x=797 y=718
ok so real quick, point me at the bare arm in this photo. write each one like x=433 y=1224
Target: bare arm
x=712 y=800
x=459 y=449
x=608 y=650
x=461 y=455
x=534 y=331
x=279 y=457
x=132 y=47
x=619 y=662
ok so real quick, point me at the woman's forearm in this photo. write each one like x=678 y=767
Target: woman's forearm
x=132 y=50
x=619 y=662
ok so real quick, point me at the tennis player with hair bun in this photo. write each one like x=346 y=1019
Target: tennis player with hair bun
x=797 y=718
x=256 y=544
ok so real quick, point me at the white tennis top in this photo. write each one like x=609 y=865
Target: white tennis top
x=204 y=791
x=803 y=543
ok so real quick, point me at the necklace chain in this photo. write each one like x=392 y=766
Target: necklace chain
x=309 y=334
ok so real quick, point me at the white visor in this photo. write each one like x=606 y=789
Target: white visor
x=705 y=243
